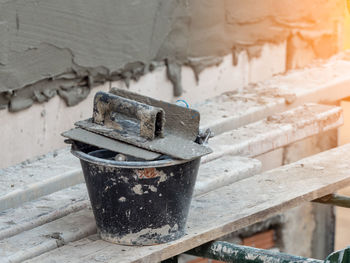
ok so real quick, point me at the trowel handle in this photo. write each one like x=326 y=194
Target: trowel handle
x=151 y=118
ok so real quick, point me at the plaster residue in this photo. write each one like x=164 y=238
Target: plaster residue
x=147 y=236
x=122 y=199
x=137 y=189
x=66 y=47
x=152 y=188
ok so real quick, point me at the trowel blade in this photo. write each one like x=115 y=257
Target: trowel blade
x=171 y=145
x=101 y=141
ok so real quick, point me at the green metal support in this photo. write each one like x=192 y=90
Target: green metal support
x=341 y=256
x=229 y=252
x=334 y=199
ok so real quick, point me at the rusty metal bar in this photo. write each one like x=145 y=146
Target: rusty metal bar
x=334 y=199
x=229 y=252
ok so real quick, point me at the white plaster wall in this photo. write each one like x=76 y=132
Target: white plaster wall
x=214 y=80
x=227 y=77
x=37 y=130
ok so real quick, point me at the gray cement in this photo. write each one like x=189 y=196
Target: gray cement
x=67 y=47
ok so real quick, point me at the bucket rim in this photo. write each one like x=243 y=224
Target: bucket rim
x=122 y=164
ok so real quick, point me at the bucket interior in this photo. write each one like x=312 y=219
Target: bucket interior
x=110 y=155
x=106 y=157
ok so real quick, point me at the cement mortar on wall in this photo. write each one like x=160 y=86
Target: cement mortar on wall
x=67 y=47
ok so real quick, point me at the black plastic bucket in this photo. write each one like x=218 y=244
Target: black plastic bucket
x=138 y=202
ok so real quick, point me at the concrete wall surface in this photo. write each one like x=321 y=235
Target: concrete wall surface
x=166 y=49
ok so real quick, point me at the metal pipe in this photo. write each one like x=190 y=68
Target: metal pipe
x=229 y=252
x=334 y=199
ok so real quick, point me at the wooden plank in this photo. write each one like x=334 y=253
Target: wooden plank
x=20 y=245
x=227 y=209
x=224 y=171
x=328 y=82
x=30 y=180
x=254 y=139
x=35 y=190
x=43 y=210
x=276 y=131
x=39 y=240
